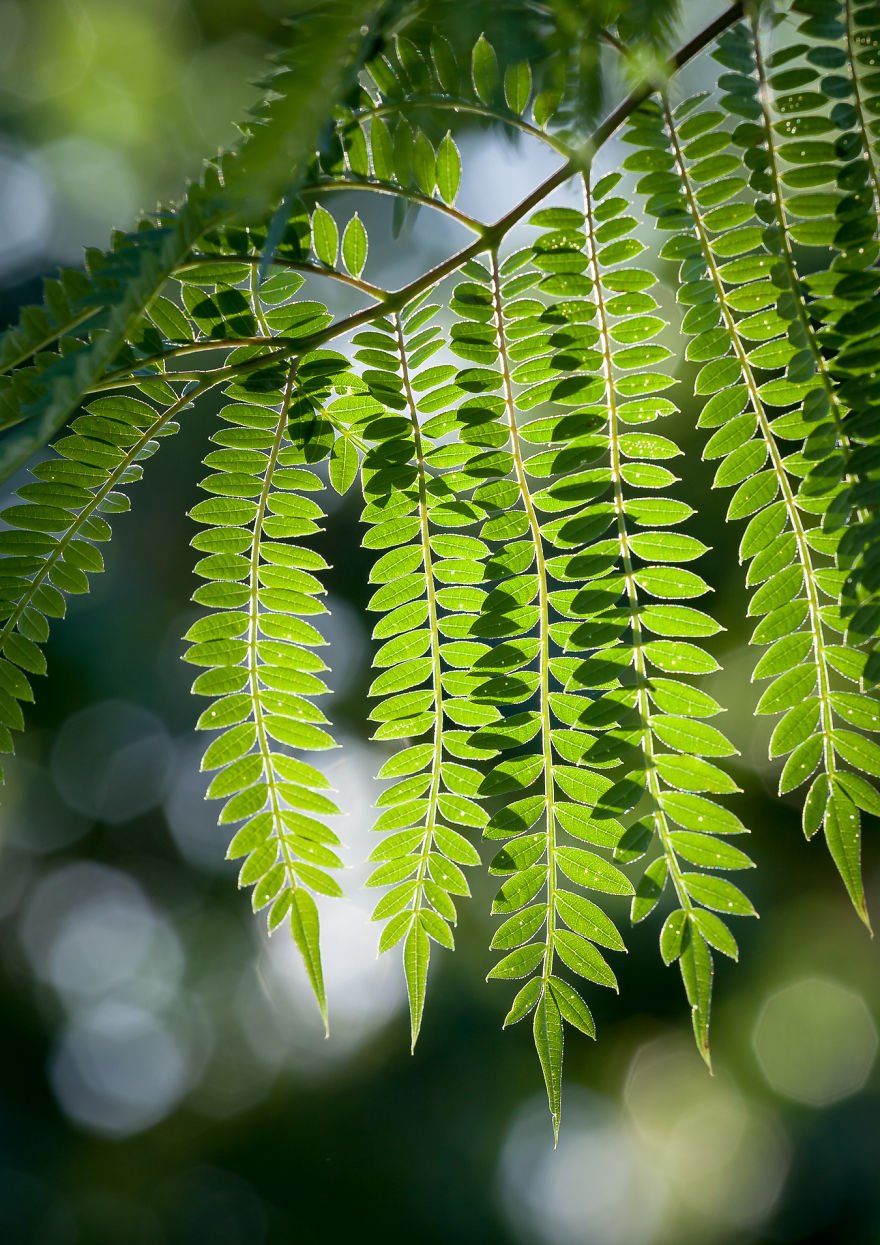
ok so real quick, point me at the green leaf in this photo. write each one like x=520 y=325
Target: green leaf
x=708 y=852
x=485 y=70
x=649 y=889
x=843 y=836
x=588 y=919
x=697 y=973
x=679 y=658
x=519 y=929
x=678 y=620
x=718 y=894
x=343 y=465
x=524 y=1002
x=416 y=957
x=682 y=698
x=693 y=774
x=519 y=963
x=582 y=958
x=670 y=583
x=801 y=764
x=571 y=1006
x=672 y=936
x=666 y=546
x=715 y=932
x=695 y=812
x=448 y=169
x=691 y=736
x=861 y=711
x=547 y=1030
x=518 y=86
x=860 y=752
x=424 y=164
x=304 y=925
x=354 y=246
x=325 y=236
x=860 y=791
x=589 y=870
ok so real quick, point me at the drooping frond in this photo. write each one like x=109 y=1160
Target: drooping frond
x=733 y=288
x=671 y=758
x=533 y=352
x=257 y=648
x=843 y=38
x=51 y=542
x=410 y=509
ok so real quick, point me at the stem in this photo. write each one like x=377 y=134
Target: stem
x=72 y=324
x=256 y=305
x=180 y=352
x=543 y=621
x=492 y=235
x=445 y=102
x=217 y=376
x=613 y=42
x=296 y=264
x=253 y=634
x=413 y=196
x=436 y=670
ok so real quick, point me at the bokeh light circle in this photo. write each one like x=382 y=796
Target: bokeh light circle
x=815 y=1041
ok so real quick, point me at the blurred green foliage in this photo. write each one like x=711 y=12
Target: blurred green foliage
x=119 y=103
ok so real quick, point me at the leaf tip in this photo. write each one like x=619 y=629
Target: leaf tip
x=706 y=1056
x=864 y=916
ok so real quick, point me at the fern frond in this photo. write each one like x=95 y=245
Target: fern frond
x=732 y=304
x=36 y=401
x=409 y=508
x=569 y=920
x=539 y=354
x=51 y=544
x=847 y=299
x=659 y=713
x=404 y=84
x=62 y=312
x=833 y=463
x=257 y=648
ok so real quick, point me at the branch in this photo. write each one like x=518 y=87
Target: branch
x=495 y=233
x=412 y=196
x=366 y=287
x=474 y=109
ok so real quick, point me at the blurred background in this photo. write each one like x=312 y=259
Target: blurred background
x=163 y=1076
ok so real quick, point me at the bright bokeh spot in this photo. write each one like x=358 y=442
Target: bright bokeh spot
x=112 y=761
x=721 y=1156
x=364 y=990
x=24 y=210
x=816 y=1041
x=118 y=1068
x=596 y=1188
